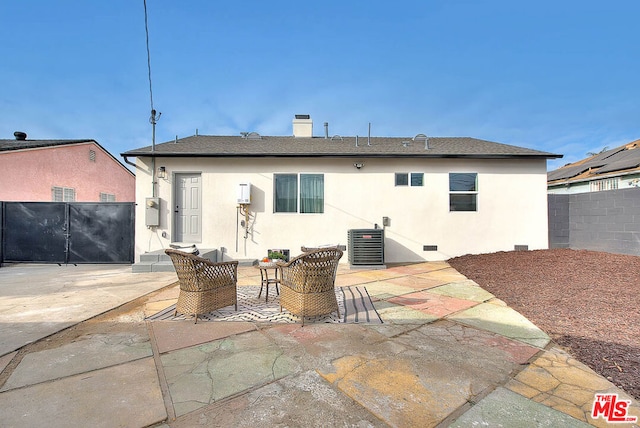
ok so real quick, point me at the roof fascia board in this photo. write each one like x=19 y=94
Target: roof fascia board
x=341 y=155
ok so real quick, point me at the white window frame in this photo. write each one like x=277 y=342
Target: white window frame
x=409 y=176
x=474 y=192
x=298 y=192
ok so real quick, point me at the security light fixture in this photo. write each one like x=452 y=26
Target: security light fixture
x=162 y=172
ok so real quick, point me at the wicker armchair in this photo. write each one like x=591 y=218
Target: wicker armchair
x=204 y=285
x=307 y=283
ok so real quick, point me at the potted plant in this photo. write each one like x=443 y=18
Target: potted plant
x=276 y=256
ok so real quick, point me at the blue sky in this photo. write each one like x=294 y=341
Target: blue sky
x=558 y=76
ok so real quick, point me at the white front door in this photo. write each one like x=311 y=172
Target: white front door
x=188 y=211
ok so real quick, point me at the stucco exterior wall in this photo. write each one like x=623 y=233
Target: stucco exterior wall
x=28 y=175
x=512 y=206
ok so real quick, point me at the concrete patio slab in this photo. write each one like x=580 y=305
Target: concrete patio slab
x=396 y=387
x=202 y=375
x=39 y=300
x=126 y=395
x=350 y=279
x=399 y=314
x=505 y=408
x=377 y=275
x=415 y=369
x=467 y=290
x=416 y=282
x=316 y=346
x=417 y=268
x=385 y=290
x=446 y=335
x=446 y=274
x=559 y=381
x=433 y=304
x=172 y=335
x=504 y=321
x=303 y=400
x=86 y=354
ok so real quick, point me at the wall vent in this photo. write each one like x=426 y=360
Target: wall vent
x=521 y=247
x=429 y=248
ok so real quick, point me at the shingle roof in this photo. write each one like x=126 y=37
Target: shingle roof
x=238 y=146
x=621 y=160
x=6 y=145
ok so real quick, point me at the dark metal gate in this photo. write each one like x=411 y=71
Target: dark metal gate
x=76 y=232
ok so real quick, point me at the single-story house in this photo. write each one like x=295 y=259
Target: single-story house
x=433 y=197
x=62 y=171
x=613 y=169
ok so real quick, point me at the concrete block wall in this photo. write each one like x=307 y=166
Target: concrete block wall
x=558 y=221
x=599 y=221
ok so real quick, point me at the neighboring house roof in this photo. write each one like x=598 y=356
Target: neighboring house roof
x=622 y=160
x=6 y=145
x=253 y=145
x=13 y=145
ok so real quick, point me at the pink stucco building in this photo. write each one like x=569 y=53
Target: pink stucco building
x=62 y=170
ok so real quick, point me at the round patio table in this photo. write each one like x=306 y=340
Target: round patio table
x=265 y=281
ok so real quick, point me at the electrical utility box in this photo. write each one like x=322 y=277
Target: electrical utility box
x=244 y=193
x=366 y=246
x=152 y=212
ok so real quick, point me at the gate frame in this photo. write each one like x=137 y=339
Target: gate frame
x=67 y=243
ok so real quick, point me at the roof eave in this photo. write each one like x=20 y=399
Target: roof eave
x=346 y=155
x=593 y=178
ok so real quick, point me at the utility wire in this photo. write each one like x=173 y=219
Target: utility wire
x=146 y=29
x=153 y=119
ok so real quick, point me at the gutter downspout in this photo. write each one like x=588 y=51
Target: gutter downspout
x=127 y=161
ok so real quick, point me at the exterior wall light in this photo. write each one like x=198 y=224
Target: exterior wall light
x=162 y=172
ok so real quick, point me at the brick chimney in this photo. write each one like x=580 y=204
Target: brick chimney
x=302 y=126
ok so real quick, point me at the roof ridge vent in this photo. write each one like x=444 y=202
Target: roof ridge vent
x=251 y=136
x=336 y=137
x=422 y=137
x=20 y=136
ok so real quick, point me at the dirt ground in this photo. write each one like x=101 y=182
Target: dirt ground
x=588 y=302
